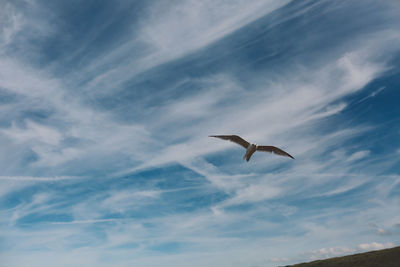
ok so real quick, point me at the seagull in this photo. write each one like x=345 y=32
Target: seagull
x=251 y=148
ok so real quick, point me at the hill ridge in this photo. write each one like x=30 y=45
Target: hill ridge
x=378 y=258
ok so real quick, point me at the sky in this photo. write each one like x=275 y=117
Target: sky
x=105 y=112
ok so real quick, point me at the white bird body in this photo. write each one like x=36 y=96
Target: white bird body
x=251 y=148
x=250 y=151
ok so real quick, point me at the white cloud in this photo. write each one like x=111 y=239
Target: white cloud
x=69 y=119
x=325 y=253
x=284 y=112
x=376 y=246
x=24 y=80
x=373 y=94
x=252 y=193
x=10 y=23
x=38 y=203
x=175 y=29
x=38 y=179
x=275 y=259
x=33 y=132
x=351 y=183
x=359 y=155
x=381 y=231
x=265 y=113
x=330 y=110
x=87 y=221
x=357 y=73
x=123 y=200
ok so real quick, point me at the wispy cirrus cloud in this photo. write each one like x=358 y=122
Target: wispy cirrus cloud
x=10 y=24
x=168 y=32
x=359 y=155
x=122 y=127
x=174 y=30
x=301 y=104
x=373 y=94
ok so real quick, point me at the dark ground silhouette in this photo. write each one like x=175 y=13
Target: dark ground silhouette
x=379 y=258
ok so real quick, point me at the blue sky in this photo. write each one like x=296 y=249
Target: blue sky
x=106 y=108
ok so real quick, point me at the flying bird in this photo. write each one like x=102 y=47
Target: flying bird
x=251 y=148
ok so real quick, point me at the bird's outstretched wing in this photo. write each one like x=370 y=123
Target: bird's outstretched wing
x=275 y=150
x=233 y=138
